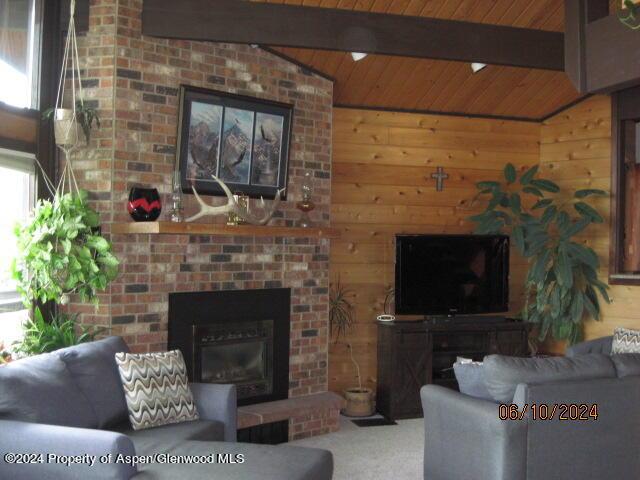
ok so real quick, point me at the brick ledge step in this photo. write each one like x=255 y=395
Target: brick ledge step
x=260 y=413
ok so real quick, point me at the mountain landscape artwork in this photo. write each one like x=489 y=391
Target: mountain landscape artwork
x=243 y=141
x=204 y=140
x=237 y=138
x=266 y=149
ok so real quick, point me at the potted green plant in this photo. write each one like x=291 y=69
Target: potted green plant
x=340 y=310
x=562 y=284
x=62 y=331
x=359 y=400
x=66 y=122
x=61 y=252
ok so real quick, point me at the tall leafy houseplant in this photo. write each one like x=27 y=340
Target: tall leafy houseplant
x=562 y=286
x=61 y=252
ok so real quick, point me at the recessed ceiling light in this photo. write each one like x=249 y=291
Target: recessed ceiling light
x=357 y=56
x=476 y=67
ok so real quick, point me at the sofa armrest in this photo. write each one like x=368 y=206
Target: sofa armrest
x=52 y=440
x=602 y=446
x=599 y=345
x=218 y=402
x=466 y=440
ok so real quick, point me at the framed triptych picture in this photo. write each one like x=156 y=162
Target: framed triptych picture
x=243 y=141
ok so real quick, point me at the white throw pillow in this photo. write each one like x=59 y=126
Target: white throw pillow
x=156 y=389
x=625 y=340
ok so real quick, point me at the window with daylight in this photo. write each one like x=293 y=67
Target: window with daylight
x=17 y=195
x=19 y=48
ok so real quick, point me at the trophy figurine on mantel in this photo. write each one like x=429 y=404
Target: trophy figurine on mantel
x=306 y=205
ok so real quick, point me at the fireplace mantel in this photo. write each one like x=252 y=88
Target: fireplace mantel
x=156 y=228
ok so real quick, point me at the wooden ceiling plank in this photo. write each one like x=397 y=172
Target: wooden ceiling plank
x=447 y=85
x=440 y=71
x=532 y=94
x=237 y=21
x=503 y=105
x=418 y=80
x=374 y=93
x=506 y=80
x=560 y=93
x=396 y=83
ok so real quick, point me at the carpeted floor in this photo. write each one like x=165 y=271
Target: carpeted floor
x=374 y=453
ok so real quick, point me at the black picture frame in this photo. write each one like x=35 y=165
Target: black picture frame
x=244 y=141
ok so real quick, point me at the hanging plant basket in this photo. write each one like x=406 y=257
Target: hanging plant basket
x=65 y=127
x=70 y=121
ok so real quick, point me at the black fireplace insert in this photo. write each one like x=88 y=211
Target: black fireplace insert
x=235 y=336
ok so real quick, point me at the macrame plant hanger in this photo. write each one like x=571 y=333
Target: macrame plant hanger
x=65 y=121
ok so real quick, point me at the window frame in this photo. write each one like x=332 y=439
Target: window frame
x=26 y=163
x=625 y=106
x=35 y=53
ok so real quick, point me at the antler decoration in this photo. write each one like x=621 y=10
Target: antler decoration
x=232 y=206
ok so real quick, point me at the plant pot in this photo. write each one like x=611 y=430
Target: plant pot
x=144 y=204
x=360 y=402
x=65 y=127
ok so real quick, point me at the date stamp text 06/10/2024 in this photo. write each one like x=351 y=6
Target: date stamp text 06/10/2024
x=574 y=412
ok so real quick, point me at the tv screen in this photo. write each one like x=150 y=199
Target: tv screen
x=452 y=274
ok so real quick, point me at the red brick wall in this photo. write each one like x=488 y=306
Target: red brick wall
x=135 y=81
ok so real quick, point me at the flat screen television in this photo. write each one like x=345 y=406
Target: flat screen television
x=451 y=274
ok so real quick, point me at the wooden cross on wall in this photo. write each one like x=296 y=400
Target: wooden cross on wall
x=439 y=177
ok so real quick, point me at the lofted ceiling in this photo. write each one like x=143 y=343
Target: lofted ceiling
x=401 y=83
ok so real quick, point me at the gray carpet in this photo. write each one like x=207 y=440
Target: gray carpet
x=374 y=453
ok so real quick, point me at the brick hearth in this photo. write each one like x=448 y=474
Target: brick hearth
x=134 y=81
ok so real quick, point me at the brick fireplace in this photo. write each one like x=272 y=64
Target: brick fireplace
x=235 y=336
x=134 y=81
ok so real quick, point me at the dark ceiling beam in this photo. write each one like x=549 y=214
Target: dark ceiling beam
x=239 y=21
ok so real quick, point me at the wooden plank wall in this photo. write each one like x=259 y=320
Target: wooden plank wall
x=575 y=151
x=381 y=185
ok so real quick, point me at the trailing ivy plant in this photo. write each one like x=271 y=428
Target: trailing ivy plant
x=60 y=252
x=562 y=285
x=62 y=331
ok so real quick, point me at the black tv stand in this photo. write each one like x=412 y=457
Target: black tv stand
x=466 y=319
x=414 y=353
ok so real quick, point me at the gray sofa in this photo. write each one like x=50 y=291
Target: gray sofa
x=466 y=440
x=71 y=403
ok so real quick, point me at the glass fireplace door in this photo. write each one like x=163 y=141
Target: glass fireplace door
x=240 y=355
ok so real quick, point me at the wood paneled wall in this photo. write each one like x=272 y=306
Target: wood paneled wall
x=575 y=151
x=382 y=185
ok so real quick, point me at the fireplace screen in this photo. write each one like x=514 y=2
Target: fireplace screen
x=241 y=354
x=234 y=363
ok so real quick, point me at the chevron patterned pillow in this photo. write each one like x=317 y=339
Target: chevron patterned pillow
x=625 y=340
x=156 y=389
